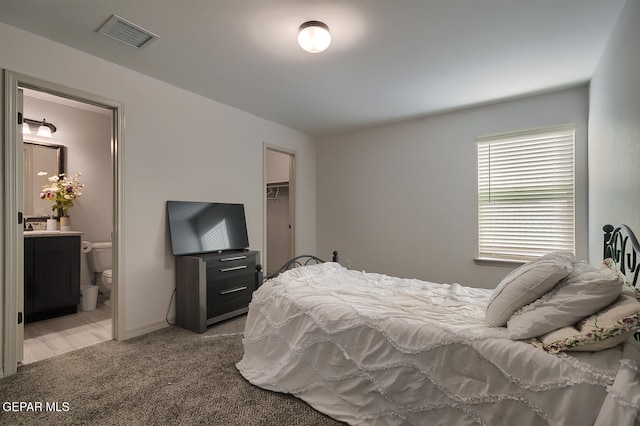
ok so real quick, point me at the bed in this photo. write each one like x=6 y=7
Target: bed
x=370 y=349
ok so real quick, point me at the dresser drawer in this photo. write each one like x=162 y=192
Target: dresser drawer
x=230 y=267
x=223 y=300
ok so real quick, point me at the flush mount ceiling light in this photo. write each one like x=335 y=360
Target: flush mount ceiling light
x=45 y=129
x=314 y=36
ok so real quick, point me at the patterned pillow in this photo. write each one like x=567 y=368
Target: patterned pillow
x=609 y=327
x=611 y=264
x=525 y=284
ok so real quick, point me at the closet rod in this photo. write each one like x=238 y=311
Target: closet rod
x=278 y=185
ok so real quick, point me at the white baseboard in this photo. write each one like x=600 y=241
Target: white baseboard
x=139 y=331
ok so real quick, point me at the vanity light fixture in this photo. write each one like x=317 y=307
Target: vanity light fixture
x=45 y=129
x=314 y=36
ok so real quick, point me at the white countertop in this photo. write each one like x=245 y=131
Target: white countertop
x=31 y=234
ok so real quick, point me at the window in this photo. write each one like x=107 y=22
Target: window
x=526 y=194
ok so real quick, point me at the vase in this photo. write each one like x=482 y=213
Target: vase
x=65 y=223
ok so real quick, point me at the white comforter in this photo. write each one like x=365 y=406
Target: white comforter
x=371 y=349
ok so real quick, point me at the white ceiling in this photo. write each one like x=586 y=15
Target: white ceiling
x=389 y=59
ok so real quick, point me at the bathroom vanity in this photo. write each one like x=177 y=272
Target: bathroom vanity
x=51 y=274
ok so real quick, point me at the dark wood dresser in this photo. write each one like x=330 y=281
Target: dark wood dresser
x=212 y=287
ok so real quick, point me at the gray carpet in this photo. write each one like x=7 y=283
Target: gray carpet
x=172 y=376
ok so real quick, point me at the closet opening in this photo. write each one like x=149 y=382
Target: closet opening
x=280 y=207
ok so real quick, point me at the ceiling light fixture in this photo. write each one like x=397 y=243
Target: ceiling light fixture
x=314 y=36
x=45 y=129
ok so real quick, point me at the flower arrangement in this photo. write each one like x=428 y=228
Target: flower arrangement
x=61 y=190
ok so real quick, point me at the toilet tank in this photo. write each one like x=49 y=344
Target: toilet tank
x=99 y=258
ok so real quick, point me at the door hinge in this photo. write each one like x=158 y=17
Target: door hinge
x=20 y=118
x=19 y=317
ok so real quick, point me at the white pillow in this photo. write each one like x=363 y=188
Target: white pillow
x=605 y=329
x=584 y=292
x=525 y=284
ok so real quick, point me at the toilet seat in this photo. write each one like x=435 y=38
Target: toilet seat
x=106 y=277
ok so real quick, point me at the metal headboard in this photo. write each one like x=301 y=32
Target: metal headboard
x=303 y=260
x=621 y=245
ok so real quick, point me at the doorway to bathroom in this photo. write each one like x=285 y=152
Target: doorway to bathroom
x=90 y=128
x=280 y=207
x=83 y=141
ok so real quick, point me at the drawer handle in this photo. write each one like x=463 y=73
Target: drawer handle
x=235 y=268
x=229 y=259
x=233 y=290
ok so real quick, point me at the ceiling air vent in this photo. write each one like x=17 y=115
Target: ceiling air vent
x=126 y=32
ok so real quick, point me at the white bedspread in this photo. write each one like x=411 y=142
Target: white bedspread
x=370 y=349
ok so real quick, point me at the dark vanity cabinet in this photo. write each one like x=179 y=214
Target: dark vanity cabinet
x=212 y=287
x=51 y=276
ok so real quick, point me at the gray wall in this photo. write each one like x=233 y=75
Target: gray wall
x=167 y=155
x=401 y=199
x=614 y=132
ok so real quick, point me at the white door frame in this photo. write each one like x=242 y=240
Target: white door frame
x=292 y=197
x=12 y=230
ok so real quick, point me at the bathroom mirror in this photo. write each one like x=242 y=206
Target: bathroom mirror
x=40 y=157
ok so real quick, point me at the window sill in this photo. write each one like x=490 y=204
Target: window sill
x=498 y=262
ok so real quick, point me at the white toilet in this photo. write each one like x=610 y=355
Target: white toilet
x=99 y=260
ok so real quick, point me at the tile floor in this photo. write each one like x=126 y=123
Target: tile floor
x=55 y=336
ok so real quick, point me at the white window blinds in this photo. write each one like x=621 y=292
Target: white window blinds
x=526 y=194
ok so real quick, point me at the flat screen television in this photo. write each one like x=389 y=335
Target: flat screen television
x=203 y=227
